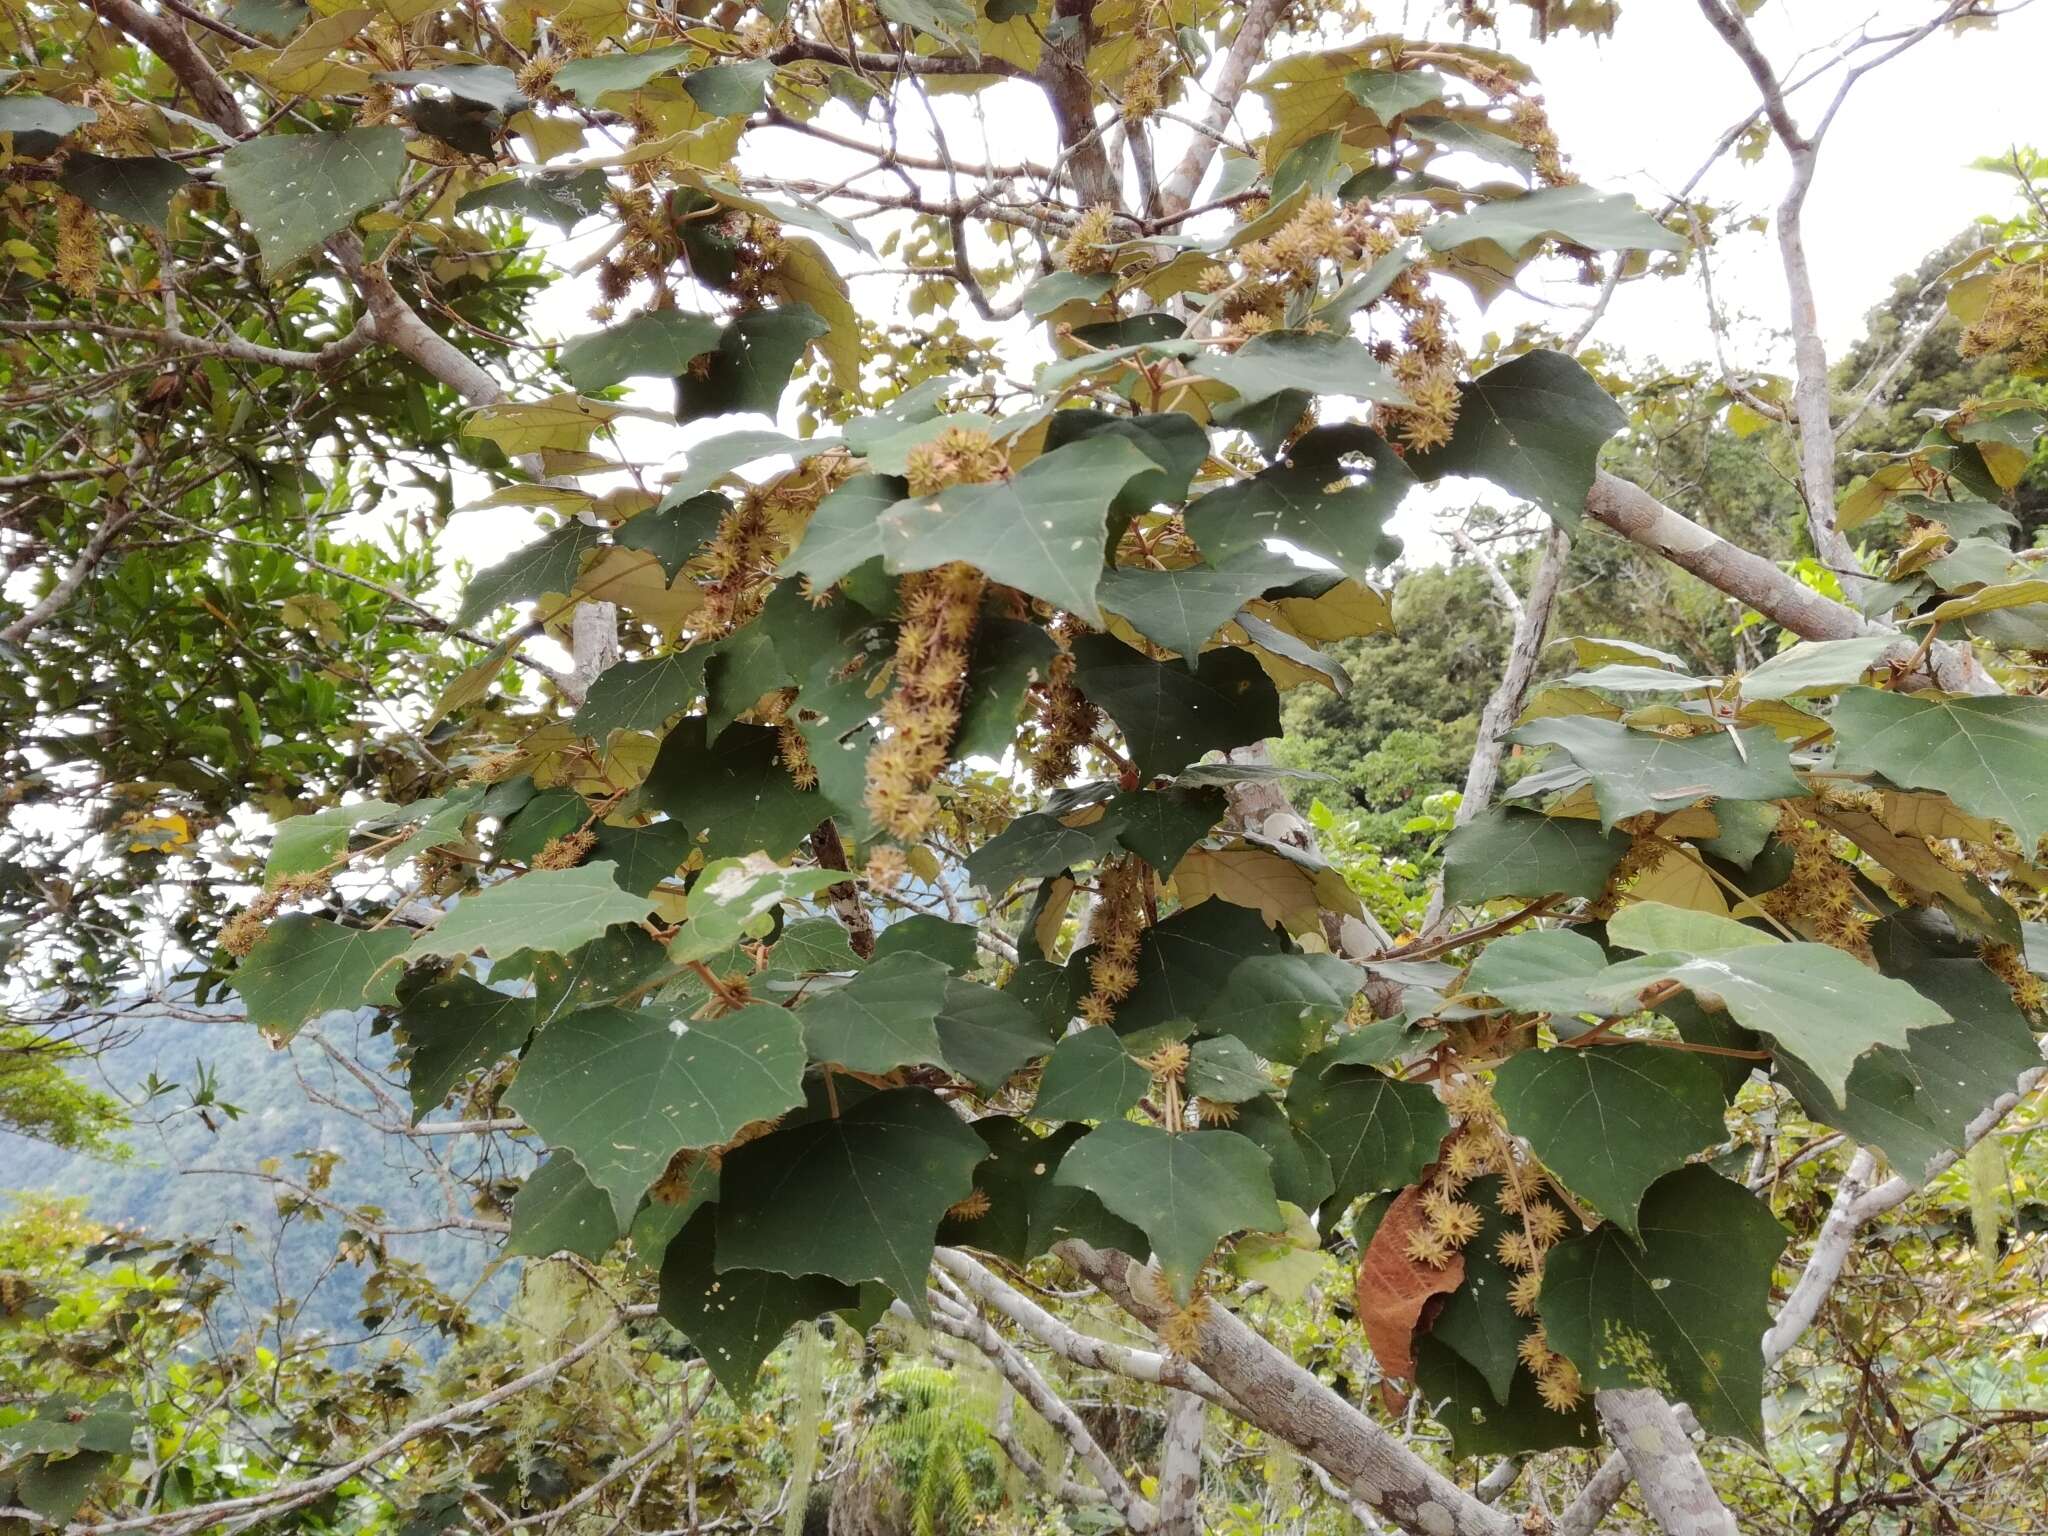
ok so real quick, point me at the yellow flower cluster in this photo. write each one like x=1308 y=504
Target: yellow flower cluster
x=1117 y=925
x=567 y=851
x=1557 y=1379
x=1066 y=722
x=2015 y=318
x=1820 y=895
x=957 y=456
x=1090 y=245
x=940 y=611
x=244 y=931
x=79 y=251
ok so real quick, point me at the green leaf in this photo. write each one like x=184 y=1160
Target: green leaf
x=1504 y=852
x=1578 y=214
x=1161 y=825
x=857 y=1197
x=1990 y=755
x=293 y=190
x=307 y=966
x=488 y=85
x=1009 y=655
x=885 y=1018
x=602 y=971
x=645 y=856
x=951 y=21
x=734 y=792
x=710 y=462
x=33 y=126
x=1291 y=501
x=732 y=899
x=551 y=910
x=56 y=1489
x=845 y=532
x=453 y=1028
x=62 y=1424
x=752 y=365
x=1223 y=1070
x=561 y=198
x=1182 y=609
x=556 y=813
x=1378 y=1044
x=1186 y=1191
x=558 y=1210
x=1321 y=363
x=1639 y=771
x=590 y=80
x=657 y=344
x=1476 y=1320
x=1611 y=1120
x=1060 y=288
x=138 y=188
x=988 y=1036
x=731 y=90
x=1378 y=1133
x=641 y=695
x=1480 y=1425
x=735 y=1318
x=1534 y=426
x=1649 y=927
x=1186 y=961
x=1388 y=93
x=1280 y=1005
x=1042 y=531
x=815 y=944
x=1172 y=714
x=303 y=844
x=547 y=565
x=1036 y=843
x=1682 y=1312
x=1301 y=1172
x=1475 y=138
x=1815 y=667
x=1090 y=1076
x=674 y=534
x=626 y=1089
x=951 y=944
x=1175 y=442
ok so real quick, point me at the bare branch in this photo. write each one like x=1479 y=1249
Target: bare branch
x=1179 y=189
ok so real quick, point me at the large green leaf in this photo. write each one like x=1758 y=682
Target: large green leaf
x=1171 y=713
x=1186 y=1191
x=293 y=190
x=1041 y=531
x=1182 y=609
x=731 y=90
x=552 y=910
x=558 y=1210
x=1815 y=667
x=453 y=1028
x=1186 y=961
x=1292 y=500
x=1506 y=852
x=1161 y=825
x=885 y=1018
x=626 y=1089
x=1533 y=426
x=857 y=1197
x=845 y=532
x=308 y=966
x=1990 y=755
x=303 y=844
x=1578 y=214
x=591 y=79
x=138 y=188
x=1280 y=1005
x=1090 y=1076
x=1223 y=1070
x=1684 y=1311
x=751 y=366
x=1036 y=843
x=550 y=564
x=1611 y=1120
x=1477 y=1320
x=32 y=126
x=1640 y=771
x=658 y=344
x=986 y=1035
x=641 y=695
x=1377 y=1133
x=710 y=462
x=734 y=792
x=1388 y=93
x=562 y=198
x=735 y=1318
x=1321 y=363
x=674 y=534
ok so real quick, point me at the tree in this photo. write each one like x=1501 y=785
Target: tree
x=814 y=1012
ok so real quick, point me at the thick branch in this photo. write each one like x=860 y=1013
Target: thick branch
x=1179 y=189
x=1291 y=1404
x=1180 y=1466
x=164 y=37
x=1674 y=1486
x=1532 y=621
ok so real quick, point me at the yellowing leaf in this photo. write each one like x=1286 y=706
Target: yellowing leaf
x=637 y=582
x=561 y=422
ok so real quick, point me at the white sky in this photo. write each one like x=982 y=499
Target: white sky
x=1639 y=112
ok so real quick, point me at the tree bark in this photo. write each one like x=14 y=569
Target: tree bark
x=1180 y=1466
x=1673 y=1484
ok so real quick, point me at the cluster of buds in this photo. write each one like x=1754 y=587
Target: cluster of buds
x=1066 y=719
x=1115 y=929
x=740 y=563
x=1820 y=894
x=79 y=249
x=244 y=931
x=2015 y=317
x=2009 y=964
x=957 y=456
x=1090 y=245
x=645 y=246
x=566 y=851
x=933 y=648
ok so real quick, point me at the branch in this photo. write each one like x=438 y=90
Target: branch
x=1180 y=1466
x=332 y=355
x=1179 y=189
x=67 y=585
x=1532 y=621
x=1290 y=1403
x=169 y=41
x=1674 y=1486
x=971 y=1328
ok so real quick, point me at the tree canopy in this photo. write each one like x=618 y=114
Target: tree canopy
x=823 y=873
